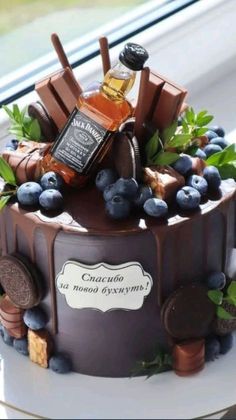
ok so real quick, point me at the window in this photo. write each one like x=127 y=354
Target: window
x=26 y=25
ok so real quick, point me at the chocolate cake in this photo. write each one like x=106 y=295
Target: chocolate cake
x=110 y=292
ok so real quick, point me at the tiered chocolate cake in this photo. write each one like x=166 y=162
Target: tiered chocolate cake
x=107 y=293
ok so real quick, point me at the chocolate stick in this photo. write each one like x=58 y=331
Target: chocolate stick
x=140 y=108
x=60 y=51
x=104 y=50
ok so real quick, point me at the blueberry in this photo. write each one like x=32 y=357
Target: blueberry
x=220 y=141
x=216 y=280
x=60 y=363
x=28 y=193
x=35 y=318
x=211 y=135
x=104 y=178
x=51 y=200
x=109 y=192
x=127 y=187
x=200 y=153
x=218 y=130
x=12 y=144
x=6 y=337
x=143 y=194
x=198 y=182
x=21 y=345
x=1 y=329
x=212 y=176
x=188 y=198
x=212 y=348
x=183 y=164
x=155 y=207
x=211 y=149
x=226 y=343
x=52 y=180
x=118 y=207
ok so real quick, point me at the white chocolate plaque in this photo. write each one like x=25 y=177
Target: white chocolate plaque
x=103 y=286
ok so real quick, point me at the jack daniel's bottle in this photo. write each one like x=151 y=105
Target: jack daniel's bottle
x=86 y=138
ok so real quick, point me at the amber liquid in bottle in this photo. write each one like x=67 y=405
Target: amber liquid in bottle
x=106 y=107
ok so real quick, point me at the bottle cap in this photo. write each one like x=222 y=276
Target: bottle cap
x=133 y=56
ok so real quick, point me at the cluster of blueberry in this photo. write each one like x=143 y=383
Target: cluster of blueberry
x=35 y=319
x=216 y=144
x=46 y=192
x=189 y=197
x=215 y=344
x=121 y=195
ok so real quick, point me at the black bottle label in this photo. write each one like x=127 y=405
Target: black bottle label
x=79 y=141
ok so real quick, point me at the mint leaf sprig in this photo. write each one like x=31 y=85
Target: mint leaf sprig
x=218 y=297
x=10 y=186
x=22 y=126
x=225 y=162
x=164 y=148
x=161 y=363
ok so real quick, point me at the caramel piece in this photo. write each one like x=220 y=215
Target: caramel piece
x=198 y=165
x=66 y=88
x=40 y=347
x=164 y=181
x=189 y=357
x=11 y=318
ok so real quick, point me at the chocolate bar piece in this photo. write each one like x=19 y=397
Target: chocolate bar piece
x=66 y=88
x=11 y=318
x=40 y=347
x=52 y=102
x=168 y=106
x=164 y=181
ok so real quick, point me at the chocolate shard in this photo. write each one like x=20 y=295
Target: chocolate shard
x=104 y=50
x=67 y=88
x=163 y=180
x=40 y=347
x=168 y=106
x=189 y=357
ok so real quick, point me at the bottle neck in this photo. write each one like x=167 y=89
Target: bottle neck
x=117 y=82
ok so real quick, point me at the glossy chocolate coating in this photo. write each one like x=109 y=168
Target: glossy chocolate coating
x=176 y=252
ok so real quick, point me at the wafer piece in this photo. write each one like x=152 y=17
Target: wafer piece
x=66 y=88
x=104 y=50
x=168 y=107
x=164 y=181
x=40 y=347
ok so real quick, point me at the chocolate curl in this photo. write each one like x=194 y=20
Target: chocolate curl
x=104 y=50
x=143 y=105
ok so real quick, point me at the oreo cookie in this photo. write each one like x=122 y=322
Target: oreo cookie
x=20 y=281
x=188 y=312
x=36 y=110
x=126 y=156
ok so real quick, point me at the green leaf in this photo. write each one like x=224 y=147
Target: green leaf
x=185 y=126
x=9 y=112
x=16 y=113
x=152 y=147
x=201 y=114
x=35 y=131
x=216 y=296
x=168 y=132
x=227 y=156
x=4 y=200
x=16 y=131
x=227 y=171
x=23 y=113
x=231 y=290
x=200 y=131
x=223 y=314
x=6 y=172
x=179 y=140
x=165 y=158
x=204 y=120
x=191 y=150
x=190 y=116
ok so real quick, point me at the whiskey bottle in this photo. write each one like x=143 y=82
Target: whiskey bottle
x=87 y=135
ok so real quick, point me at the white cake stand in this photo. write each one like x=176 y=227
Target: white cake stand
x=40 y=392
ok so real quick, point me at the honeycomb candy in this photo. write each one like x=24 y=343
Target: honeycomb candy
x=164 y=181
x=40 y=347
